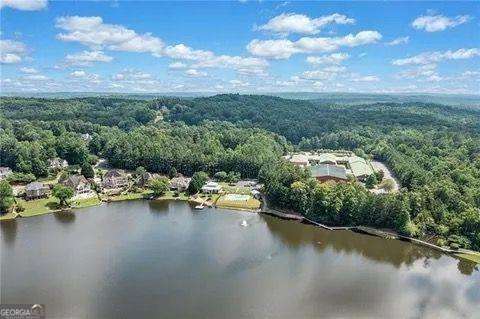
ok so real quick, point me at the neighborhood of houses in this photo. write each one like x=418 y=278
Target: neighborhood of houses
x=342 y=166
x=117 y=184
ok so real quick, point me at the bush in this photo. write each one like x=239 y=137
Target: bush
x=21 y=178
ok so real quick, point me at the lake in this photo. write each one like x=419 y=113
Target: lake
x=145 y=259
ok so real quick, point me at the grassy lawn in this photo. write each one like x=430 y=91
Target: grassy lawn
x=235 y=189
x=473 y=256
x=38 y=206
x=86 y=202
x=251 y=203
x=8 y=216
x=129 y=196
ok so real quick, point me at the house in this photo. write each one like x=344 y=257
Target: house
x=180 y=183
x=86 y=137
x=256 y=194
x=57 y=163
x=115 y=178
x=78 y=183
x=36 y=190
x=299 y=160
x=327 y=172
x=143 y=179
x=211 y=188
x=4 y=172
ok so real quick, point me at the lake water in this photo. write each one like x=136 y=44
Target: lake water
x=143 y=259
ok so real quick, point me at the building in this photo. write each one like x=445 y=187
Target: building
x=86 y=137
x=144 y=179
x=57 y=163
x=180 y=183
x=115 y=178
x=360 y=168
x=211 y=188
x=36 y=190
x=299 y=160
x=4 y=172
x=78 y=183
x=327 y=172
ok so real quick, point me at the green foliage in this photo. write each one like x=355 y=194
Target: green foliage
x=198 y=180
x=62 y=193
x=371 y=181
x=159 y=186
x=87 y=170
x=6 y=196
x=23 y=178
x=172 y=172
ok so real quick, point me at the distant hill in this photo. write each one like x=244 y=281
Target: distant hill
x=323 y=98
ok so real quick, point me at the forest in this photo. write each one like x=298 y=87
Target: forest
x=433 y=150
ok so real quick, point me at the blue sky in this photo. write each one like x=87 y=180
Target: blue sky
x=240 y=46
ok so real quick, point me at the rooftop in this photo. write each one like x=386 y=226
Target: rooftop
x=323 y=170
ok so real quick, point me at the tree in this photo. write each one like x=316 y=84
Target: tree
x=87 y=170
x=387 y=185
x=63 y=193
x=221 y=176
x=172 y=172
x=159 y=186
x=6 y=196
x=371 y=181
x=198 y=180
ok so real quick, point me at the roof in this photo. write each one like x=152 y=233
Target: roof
x=299 y=158
x=360 y=168
x=74 y=180
x=114 y=173
x=180 y=181
x=35 y=186
x=211 y=185
x=323 y=170
x=327 y=157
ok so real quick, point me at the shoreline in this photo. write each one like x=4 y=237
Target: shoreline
x=465 y=254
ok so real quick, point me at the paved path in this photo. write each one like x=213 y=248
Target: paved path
x=388 y=174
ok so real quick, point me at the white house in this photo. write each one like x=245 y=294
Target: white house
x=211 y=188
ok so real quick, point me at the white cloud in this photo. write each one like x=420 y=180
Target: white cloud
x=194 y=73
x=132 y=75
x=283 y=49
x=366 y=78
x=11 y=51
x=400 y=40
x=431 y=23
x=86 y=77
x=28 y=5
x=28 y=70
x=78 y=74
x=177 y=65
x=36 y=77
x=334 y=58
x=86 y=58
x=437 y=56
x=92 y=32
x=287 y=23
x=425 y=70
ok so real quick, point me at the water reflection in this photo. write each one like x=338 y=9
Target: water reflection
x=65 y=217
x=9 y=231
x=146 y=259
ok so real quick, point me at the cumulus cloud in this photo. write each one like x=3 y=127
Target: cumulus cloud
x=398 y=41
x=437 y=56
x=434 y=23
x=177 y=65
x=86 y=58
x=283 y=49
x=27 y=5
x=11 y=51
x=366 y=78
x=287 y=23
x=131 y=75
x=194 y=73
x=27 y=70
x=94 y=33
x=36 y=77
x=334 y=58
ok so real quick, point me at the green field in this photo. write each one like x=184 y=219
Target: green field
x=50 y=205
x=249 y=204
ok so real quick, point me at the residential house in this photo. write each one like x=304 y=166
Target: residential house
x=78 y=183
x=36 y=190
x=115 y=178
x=211 y=188
x=360 y=168
x=327 y=172
x=4 y=172
x=180 y=183
x=57 y=163
x=299 y=160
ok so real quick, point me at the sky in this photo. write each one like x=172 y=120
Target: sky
x=239 y=46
